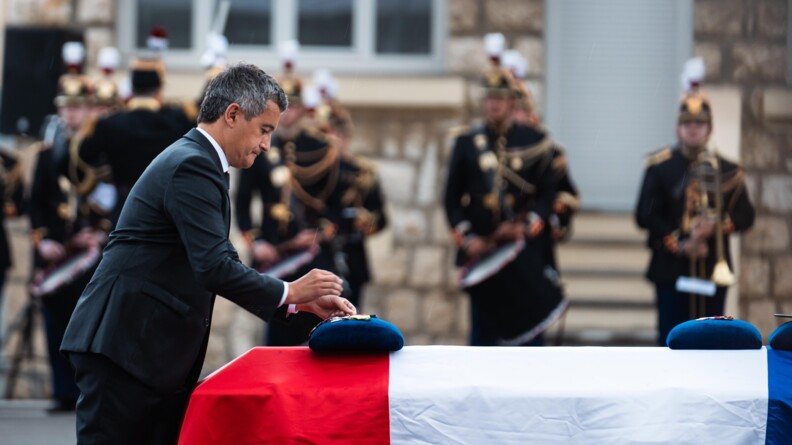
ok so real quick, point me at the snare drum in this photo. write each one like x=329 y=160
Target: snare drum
x=55 y=278
x=489 y=264
x=291 y=264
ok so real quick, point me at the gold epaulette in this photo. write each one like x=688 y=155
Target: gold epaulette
x=457 y=131
x=190 y=109
x=87 y=129
x=144 y=103
x=658 y=157
x=315 y=132
x=76 y=163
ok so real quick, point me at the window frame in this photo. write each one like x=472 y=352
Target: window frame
x=360 y=58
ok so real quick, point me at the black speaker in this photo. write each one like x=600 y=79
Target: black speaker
x=32 y=65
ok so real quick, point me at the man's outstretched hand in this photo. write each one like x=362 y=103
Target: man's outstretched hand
x=329 y=306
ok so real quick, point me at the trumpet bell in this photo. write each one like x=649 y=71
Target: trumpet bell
x=721 y=275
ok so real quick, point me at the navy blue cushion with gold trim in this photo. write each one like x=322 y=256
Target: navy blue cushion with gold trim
x=714 y=333
x=362 y=333
x=781 y=338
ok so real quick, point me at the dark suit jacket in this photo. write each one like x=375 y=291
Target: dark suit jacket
x=148 y=307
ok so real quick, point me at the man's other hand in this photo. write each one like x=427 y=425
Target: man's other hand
x=328 y=306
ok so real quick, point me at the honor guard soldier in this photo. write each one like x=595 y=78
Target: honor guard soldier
x=363 y=211
x=498 y=197
x=12 y=192
x=567 y=200
x=690 y=201
x=129 y=140
x=66 y=247
x=304 y=185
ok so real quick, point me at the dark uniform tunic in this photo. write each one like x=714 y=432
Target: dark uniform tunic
x=340 y=194
x=515 y=305
x=129 y=140
x=661 y=209
x=56 y=214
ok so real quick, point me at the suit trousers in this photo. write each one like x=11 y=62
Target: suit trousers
x=116 y=408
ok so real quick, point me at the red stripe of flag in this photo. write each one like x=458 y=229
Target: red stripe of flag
x=292 y=395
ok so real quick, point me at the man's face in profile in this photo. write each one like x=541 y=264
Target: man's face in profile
x=250 y=137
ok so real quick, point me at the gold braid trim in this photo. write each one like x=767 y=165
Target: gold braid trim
x=88 y=183
x=530 y=151
x=328 y=166
x=737 y=177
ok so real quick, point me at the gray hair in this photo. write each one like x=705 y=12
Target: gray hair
x=244 y=84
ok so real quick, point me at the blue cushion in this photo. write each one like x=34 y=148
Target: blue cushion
x=714 y=333
x=362 y=333
x=781 y=338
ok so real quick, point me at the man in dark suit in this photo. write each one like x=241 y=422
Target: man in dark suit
x=138 y=335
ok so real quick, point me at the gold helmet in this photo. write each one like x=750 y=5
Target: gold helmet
x=73 y=86
x=694 y=106
x=291 y=83
x=105 y=88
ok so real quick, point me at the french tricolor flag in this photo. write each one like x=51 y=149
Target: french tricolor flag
x=464 y=395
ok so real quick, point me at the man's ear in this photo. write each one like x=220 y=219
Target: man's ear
x=232 y=114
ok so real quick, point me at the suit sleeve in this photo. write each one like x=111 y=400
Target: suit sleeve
x=193 y=200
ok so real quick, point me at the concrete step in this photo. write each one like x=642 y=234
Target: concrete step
x=606 y=227
x=623 y=259
x=625 y=326
x=599 y=290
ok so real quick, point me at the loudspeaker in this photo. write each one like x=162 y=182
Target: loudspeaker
x=31 y=67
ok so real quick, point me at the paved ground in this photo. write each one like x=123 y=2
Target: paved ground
x=26 y=422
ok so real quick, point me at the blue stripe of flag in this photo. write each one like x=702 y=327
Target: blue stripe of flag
x=779 y=409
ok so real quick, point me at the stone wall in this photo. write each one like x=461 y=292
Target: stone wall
x=744 y=44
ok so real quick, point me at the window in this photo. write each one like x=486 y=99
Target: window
x=347 y=36
x=404 y=26
x=249 y=22
x=173 y=15
x=325 y=23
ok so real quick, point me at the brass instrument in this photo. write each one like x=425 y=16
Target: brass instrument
x=706 y=201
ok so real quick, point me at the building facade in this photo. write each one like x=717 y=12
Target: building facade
x=406 y=88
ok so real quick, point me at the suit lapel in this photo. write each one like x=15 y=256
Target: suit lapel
x=206 y=146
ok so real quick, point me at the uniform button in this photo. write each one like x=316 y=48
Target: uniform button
x=206 y=322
